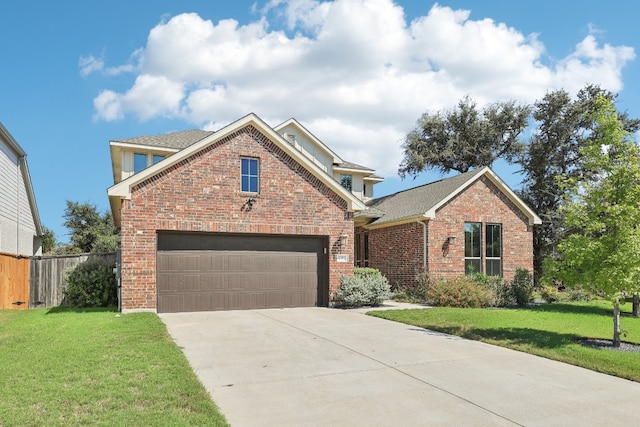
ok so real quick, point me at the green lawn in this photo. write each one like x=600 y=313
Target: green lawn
x=548 y=330
x=65 y=367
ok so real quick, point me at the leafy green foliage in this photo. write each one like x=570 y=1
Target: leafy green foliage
x=522 y=287
x=90 y=231
x=549 y=293
x=564 y=125
x=601 y=251
x=48 y=240
x=464 y=138
x=416 y=291
x=91 y=284
x=460 y=292
x=367 y=286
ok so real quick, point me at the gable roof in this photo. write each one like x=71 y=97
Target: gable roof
x=122 y=190
x=422 y=202
x=26 y=176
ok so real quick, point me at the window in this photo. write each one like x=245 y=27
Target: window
x=472 y=260
x=249 y=174
x=139 y=162
x=157 y=158
x=493 y=250
x=346 y=181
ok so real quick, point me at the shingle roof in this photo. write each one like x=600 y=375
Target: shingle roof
x=177 y=140
x=417 y=201
x=349 y=165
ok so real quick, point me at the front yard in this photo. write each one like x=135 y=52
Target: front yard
x=96 y=367
x=547 y=330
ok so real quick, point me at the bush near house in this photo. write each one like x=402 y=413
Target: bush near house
x=367 y=286
x=480 y=290
x=91 y=284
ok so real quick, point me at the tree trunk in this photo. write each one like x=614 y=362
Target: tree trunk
x=616 y=322
x=636 y=305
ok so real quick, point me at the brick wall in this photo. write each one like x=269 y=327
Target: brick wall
x=397 y=250
x=202 y=193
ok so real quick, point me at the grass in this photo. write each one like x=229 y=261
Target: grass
x=547 y=330
x=63 y=367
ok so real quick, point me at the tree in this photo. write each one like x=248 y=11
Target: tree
x=90 y=231
x=464 y=138
x=563 y=126
x=49 y=243
x=601 y=249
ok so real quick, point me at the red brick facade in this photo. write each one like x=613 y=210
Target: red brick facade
x=202 y=193
x=397 y=251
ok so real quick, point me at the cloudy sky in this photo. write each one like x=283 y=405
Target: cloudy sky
x=356 y=73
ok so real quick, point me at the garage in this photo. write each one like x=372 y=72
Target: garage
x=224 y=271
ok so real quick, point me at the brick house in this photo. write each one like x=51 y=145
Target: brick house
x=472 y=221
x=248 y=216
x=252 y=216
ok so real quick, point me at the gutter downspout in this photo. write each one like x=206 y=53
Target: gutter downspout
x=424 y=243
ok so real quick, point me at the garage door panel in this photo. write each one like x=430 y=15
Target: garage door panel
x=222 y=279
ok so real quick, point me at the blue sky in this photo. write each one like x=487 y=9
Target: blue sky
x=357 y=73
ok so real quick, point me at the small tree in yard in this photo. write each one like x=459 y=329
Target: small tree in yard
x=601 y=250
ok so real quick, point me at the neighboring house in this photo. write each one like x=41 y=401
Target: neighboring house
x=20 y=227
x=248 y=216
x=469 y=222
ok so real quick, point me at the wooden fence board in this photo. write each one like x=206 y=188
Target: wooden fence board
x=47 y=277
x=14 y=282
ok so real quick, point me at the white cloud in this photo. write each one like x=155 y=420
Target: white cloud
x=355 y=72
x=90 y=64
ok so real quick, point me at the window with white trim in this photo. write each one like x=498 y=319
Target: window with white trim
x=472 y=247
x=493 y=250
x=249 y=175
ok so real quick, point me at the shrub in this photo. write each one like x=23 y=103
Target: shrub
x=500 y=288
x=460 y=292
x=549 y=293
x=575 y=295
x=91 y=284
x=367 y=286
x=522 y=287
x=416 y=291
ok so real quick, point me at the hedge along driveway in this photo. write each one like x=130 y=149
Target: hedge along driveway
x=65 y=367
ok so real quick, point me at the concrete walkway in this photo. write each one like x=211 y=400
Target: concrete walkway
x=322 y=367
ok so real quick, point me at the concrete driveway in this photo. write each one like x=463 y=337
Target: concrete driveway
x=321 y=367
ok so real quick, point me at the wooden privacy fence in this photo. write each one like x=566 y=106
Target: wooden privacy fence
x=14 y=281
x=47 y=276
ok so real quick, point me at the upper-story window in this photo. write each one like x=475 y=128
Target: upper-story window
x=142 y=161
x=346 y=181
x=249 y=174
x=139 y=162
x=157 y=158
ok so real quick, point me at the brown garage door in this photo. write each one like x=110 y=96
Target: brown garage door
x=204 y=271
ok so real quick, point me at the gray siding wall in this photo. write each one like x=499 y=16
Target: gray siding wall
x=17 y=228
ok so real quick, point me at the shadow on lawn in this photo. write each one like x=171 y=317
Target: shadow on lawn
x=67 y=309
x=514 y=336
x=573 y=309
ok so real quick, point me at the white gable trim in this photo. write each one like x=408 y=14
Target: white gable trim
x=485 y=171
x=298 y=125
